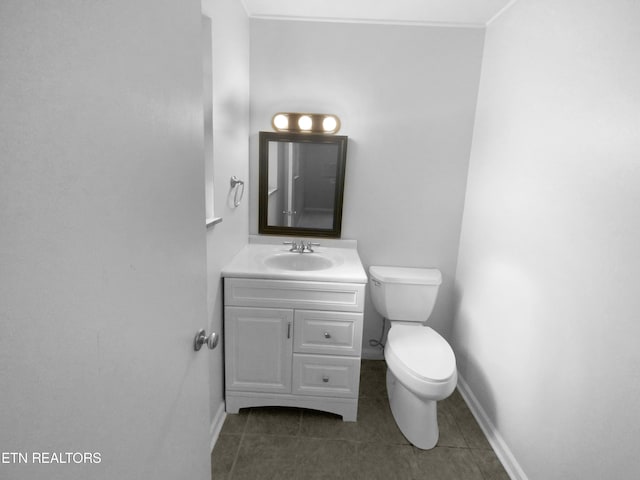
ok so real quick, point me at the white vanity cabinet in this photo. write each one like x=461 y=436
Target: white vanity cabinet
x=293 y=343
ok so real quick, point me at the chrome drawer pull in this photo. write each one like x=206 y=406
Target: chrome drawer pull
x=327 y=335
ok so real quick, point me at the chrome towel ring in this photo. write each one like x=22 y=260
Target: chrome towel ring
x=239 y=192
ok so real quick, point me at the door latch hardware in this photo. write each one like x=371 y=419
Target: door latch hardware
x=201 y=338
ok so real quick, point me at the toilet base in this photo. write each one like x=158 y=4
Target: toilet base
x=417 y=418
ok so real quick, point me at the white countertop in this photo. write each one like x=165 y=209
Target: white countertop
x=250 y=261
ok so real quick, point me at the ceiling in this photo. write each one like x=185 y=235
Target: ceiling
x=459 y=13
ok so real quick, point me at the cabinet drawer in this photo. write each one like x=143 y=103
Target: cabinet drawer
x=335 y=333
x=248 y=292
x=325 y=375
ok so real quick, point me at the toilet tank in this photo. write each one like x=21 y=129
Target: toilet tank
x=403 y=293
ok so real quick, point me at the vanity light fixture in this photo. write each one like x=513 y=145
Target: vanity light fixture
x=305 y=122
x=280 y=121
x=330 y=124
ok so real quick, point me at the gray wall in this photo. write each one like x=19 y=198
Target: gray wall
x=406 y=97
x=230 y=26
x=547 y=327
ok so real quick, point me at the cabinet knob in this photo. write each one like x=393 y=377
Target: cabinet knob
x=325 y=378
x=327 y=335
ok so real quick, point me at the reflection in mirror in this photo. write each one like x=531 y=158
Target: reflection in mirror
x=301 y=183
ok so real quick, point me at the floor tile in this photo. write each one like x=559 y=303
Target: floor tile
x=235 y=422
x=223 y=456
x=376 y=423
x=489 y=465
x=450 y=433
x=376 y=461
x=325 y=459
x=373 y=378
x=446 y=463
x=298 y=444
x=455 y=401
x=327 y=425
x=471 y=431
x=274 y=421
x=265 y=457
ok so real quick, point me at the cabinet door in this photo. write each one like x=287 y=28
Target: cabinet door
x=258 y=348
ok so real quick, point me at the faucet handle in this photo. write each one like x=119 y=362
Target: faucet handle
x=309 y=246
x=294 y=245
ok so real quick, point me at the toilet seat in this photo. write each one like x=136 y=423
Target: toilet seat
x=423 y=351
x=421 y=360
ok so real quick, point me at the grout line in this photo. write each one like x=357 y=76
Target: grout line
x=235 y=458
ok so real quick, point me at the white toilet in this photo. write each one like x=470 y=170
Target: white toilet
x=421 y=366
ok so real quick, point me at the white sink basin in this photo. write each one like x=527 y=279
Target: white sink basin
x=298 y=261
x=267 y=258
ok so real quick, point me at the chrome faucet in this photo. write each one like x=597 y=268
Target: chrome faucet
x=301 y=247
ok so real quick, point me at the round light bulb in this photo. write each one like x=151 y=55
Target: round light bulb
x=329 y=124
x=305 y=122
x=281 y=122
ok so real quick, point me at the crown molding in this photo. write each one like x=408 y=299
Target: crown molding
x=501 y=12
x=406 y=23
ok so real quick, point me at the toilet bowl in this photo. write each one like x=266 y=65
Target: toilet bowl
x=421 y=366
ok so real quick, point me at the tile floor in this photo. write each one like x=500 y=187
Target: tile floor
x=296 y=444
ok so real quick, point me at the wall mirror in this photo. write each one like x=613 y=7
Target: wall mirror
x=301 y=183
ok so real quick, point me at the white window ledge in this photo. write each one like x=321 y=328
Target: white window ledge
x=212 y=221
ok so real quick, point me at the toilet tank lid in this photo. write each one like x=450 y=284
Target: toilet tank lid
x=406 y=275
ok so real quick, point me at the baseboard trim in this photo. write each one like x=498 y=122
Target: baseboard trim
x=504 y=453
x=216 y=425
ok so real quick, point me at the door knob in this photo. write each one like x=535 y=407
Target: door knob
x=201 y=338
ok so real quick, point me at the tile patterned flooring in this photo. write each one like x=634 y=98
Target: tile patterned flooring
x=297 y=444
